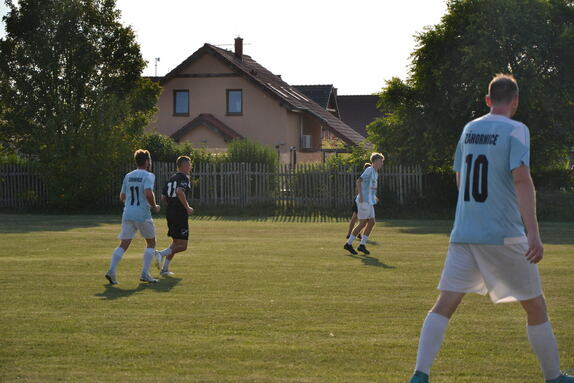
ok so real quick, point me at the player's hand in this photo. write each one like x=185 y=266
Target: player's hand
x=535 y=251
x=156 y=208
x=361 y=199
x=190 y=211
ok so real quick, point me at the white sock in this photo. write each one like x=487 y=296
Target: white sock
x=351 y=239
x=165 y=265
x=165 y=252
x=116 y=258
x=432 y=335
x=147 y=258
x=543 y=342
x=364 y=239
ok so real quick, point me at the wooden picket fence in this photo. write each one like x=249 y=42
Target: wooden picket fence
x=236 y=184
x=21 y=187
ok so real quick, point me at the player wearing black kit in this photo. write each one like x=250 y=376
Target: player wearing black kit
x=178 y=211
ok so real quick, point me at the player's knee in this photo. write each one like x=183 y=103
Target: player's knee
x=447 y=303
x=535 y=306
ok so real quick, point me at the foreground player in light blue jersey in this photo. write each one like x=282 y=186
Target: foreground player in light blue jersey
x=138 y=198
x=489 y=251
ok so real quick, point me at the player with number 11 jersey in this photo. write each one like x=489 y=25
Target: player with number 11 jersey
x=178 y=210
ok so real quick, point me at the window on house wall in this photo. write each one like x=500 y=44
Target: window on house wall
x=181 y=102
x=234 y=101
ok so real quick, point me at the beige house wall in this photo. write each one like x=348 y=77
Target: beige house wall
x=204 y=137
x=263 y=120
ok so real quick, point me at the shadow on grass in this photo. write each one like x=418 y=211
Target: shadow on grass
x=163 y=286
x=371 y=261
x=421 y=227
x=554 y=233
x=27 y=223
x=279 y=218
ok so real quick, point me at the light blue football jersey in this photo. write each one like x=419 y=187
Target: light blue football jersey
x=136 y=207
x=489 y=148
x=369 y=185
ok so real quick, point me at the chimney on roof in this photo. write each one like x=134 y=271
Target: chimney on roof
x=239 y=47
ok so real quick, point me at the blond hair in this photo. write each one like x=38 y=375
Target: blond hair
x=376 y=156
x=141 y=156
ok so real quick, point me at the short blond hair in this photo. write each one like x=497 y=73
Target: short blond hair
x=376 y=156
x=181 y=159
x=141 y=156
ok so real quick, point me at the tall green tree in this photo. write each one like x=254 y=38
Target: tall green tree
x=453 y=64
x=70 y=81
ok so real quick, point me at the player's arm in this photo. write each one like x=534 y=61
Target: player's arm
x=458 y=180
x=180 y=192
x=123 y=191
x=150 y=196
x=526 y=197
x=358 y=187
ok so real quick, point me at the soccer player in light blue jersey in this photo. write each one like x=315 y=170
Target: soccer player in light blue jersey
x=489 y=250
x=138 y=198
x=366 y=200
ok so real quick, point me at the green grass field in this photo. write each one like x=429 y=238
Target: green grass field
x=269 y=300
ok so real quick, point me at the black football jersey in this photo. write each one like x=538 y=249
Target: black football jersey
x=178 y=180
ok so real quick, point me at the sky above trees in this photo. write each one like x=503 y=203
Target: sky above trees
x=354 y=45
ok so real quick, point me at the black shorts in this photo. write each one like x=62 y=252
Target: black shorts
x=355 y=209
x=178 y=226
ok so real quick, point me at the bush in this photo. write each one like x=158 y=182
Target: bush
x=555 y=205
x=554 y=179
x=251 y=152
x=356 y=158
x=164 y=149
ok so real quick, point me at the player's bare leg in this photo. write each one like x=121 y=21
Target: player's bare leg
x=352 y=224
x=177 y=246
x=433 y=331
x=349 y=244
x=542 y=339
x=147 y=259
x=366 y=233
x=116 y=258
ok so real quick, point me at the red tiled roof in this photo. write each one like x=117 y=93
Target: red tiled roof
x=359 y=111
x=272 y=84
x=211 y=122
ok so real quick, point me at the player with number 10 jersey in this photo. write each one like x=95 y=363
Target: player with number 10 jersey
x=489 y=148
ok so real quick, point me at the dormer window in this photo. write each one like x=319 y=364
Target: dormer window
x=181 y=102
x=234 y=101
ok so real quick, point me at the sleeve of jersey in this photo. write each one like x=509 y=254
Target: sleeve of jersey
x=149 y=181
x=124 y=186
x=366 y=174
x=519 y=147
x=456 y=165
x=183 y=182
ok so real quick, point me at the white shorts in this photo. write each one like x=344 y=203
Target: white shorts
x=130 y=228
x=365 y=210
x=502 y=271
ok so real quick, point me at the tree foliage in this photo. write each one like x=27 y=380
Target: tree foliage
x=70 y=81
x=455 y=60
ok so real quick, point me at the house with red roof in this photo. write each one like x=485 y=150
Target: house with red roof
x=216 y=95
